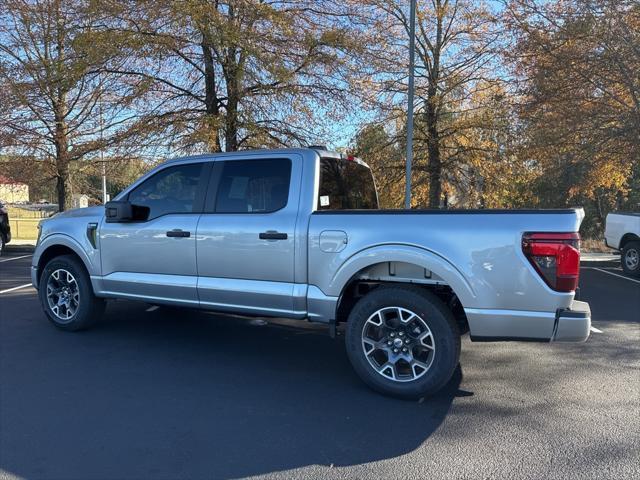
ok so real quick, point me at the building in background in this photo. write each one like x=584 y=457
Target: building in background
x=79 y=200
x=12 y=191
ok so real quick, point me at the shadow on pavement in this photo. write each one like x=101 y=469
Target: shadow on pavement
x=175 y=394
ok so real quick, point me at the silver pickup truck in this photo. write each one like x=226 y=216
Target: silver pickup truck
x=297 y=233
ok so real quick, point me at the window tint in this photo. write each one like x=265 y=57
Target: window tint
x=253 y=186
x=172 y=190
x=345 y=185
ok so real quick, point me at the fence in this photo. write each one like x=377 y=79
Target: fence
x=24 y=228
x=24 y=222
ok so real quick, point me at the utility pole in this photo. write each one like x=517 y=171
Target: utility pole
x=412 y=53
x=104 y=167
x=104 y=179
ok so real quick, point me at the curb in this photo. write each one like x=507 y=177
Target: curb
x=600 y=264
x=600 y=259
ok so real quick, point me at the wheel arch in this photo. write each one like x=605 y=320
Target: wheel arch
x=57 y=245
x=405 y=265
x=628 y=237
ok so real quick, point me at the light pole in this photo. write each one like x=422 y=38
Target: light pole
x=104 y=166
x=104 y=179
x=412 y=50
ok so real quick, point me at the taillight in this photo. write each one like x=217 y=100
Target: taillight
x=556 y=257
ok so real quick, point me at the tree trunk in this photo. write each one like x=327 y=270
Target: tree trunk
x=433 y=149
x=211 y=99
x=231 y=123
x=232 y=71
x=63 y=185
x=432 y=113
x=59 y=105
x=233 y=100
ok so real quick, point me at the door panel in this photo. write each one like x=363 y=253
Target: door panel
x=149 y=257
x=237 y=269
x=156 y=259
x=229 y=246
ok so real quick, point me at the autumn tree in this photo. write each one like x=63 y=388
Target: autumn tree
x=239 y=74
x=487 y=174
x=576 y=64
x=456 y=43
x=381 y=151
x=65 y=105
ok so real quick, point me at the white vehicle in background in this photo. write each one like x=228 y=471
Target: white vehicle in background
x=622 y=232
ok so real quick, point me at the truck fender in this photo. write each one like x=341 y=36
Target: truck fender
x=90 y=260
x=407 y=254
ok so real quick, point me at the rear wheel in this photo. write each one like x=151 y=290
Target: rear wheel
x=403 y=341
x=2 y=244
x=66 y=295
x=630 y=258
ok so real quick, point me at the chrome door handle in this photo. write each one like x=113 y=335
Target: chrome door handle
x=177 y=233
x=273 y=235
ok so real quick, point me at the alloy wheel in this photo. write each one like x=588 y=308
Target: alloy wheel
x=63 y=294
x=398 y=344
x=631 y=259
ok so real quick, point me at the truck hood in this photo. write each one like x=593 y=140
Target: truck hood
x=71 y=222
x=81 y=212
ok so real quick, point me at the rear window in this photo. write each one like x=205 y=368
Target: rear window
x=345 y=185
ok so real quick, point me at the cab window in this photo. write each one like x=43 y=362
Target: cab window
x=346 y=185
x=171 y=190
x=253 y=186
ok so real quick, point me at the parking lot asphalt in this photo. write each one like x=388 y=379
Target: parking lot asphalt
x=166 y=394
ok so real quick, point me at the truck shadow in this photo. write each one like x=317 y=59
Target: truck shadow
x=173 y=394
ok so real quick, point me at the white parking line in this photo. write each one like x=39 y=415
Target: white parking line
x=614 y=274
x=15 y=288
x=596 y=330
x=14 y=258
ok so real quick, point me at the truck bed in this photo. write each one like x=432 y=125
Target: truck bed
x=477 y=253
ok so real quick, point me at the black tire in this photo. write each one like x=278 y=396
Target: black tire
x=439 y=320
x=89 y=308
x=630 y=258
x=2 y=244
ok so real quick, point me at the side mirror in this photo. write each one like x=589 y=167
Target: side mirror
x=118 y=212
x=124 y=212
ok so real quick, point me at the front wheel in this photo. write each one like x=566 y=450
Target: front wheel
x=66 y=295
x=403 y=341
x=630 y=258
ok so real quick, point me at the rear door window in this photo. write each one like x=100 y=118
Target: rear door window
x=253 y=186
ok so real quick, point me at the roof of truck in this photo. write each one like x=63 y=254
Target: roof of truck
x=275 y=151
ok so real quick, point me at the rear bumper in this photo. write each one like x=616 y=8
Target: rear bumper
x=573 y=324
x=565 y=325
